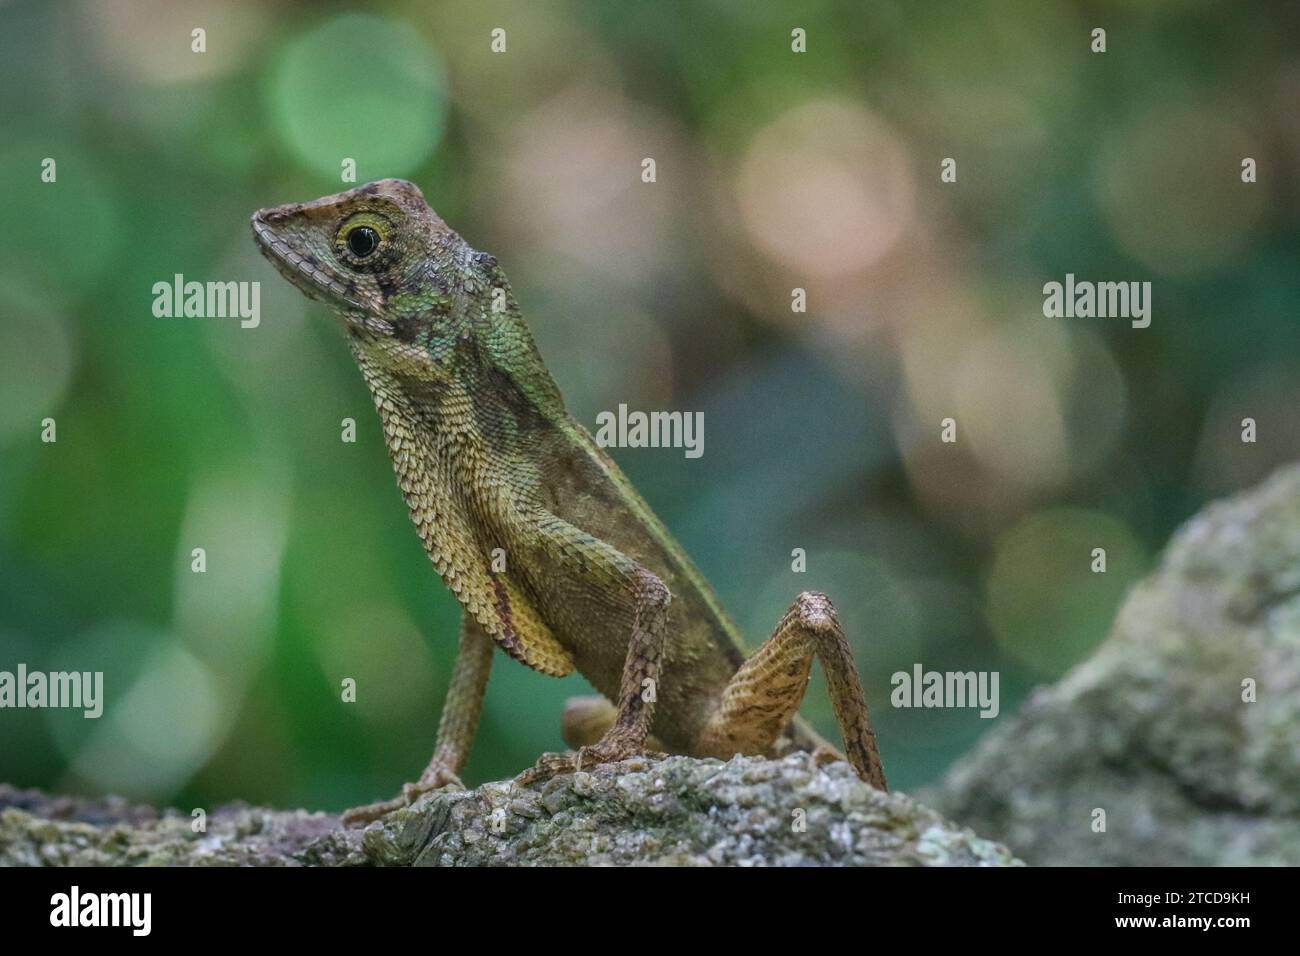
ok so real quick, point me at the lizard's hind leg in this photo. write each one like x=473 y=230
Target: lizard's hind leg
x=586 y=719
x=765 y=693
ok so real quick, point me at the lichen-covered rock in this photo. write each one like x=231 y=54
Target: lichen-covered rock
x=1154 y=729
x=39 y=830
x=675 y=811
x=683 y=812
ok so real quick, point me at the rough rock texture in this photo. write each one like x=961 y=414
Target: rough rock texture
x=1153 y=728
x=681 y=811
x=40 y=830
x=676 y=811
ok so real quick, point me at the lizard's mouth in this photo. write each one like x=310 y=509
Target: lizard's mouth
x=316 y=280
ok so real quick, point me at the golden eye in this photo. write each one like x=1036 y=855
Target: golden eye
x=362 y=241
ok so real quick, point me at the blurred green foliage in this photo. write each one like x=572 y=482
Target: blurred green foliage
x=775 y=170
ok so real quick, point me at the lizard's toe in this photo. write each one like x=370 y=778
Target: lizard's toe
x=613 y=752
x=546 y=767
x=824 y=754
x=360 y=816
x=608 y=751
x=434 y=777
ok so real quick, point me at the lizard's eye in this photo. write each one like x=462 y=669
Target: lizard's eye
x=362 y=241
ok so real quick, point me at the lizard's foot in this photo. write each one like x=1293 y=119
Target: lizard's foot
x=604 y=751
x=434 y=778
x=824 y=754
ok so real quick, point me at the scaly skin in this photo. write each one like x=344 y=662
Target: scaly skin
x=492 y=466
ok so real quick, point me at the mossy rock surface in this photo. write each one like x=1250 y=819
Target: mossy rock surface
x=1153 y=728
x=676 y=811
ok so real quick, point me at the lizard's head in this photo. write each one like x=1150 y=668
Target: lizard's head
x=379 y=255
x=421 y=305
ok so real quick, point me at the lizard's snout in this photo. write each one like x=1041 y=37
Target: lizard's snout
x=272 y=215
x=261 y=226
x=264 y=222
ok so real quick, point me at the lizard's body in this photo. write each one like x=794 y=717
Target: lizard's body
x=585 y=489
x=552 y=553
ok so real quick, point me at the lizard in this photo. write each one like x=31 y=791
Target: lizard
x=551 y=552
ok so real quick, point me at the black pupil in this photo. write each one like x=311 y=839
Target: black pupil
x=362 y=241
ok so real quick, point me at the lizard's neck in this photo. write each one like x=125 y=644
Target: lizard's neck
x=408 y=408
x=477 y=430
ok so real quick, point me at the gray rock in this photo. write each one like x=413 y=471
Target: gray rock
x=675 y=811
x=681 y=812
x=40 y=830
x=1153 y=728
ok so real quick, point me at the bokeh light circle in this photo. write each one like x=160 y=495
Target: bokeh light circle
x=1169 y=186
x=1041 y=403
x=360 y=87
x=826 y=188
x=37 y=358
x=1047 y=605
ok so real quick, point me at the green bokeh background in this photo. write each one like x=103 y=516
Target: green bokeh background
x=775 y=170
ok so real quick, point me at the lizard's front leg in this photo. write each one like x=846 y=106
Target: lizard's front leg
x=627 y=735
x=456 y=728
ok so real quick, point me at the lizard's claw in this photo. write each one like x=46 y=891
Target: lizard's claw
x=553 y=764
x=433 y=778
x=823 y=754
